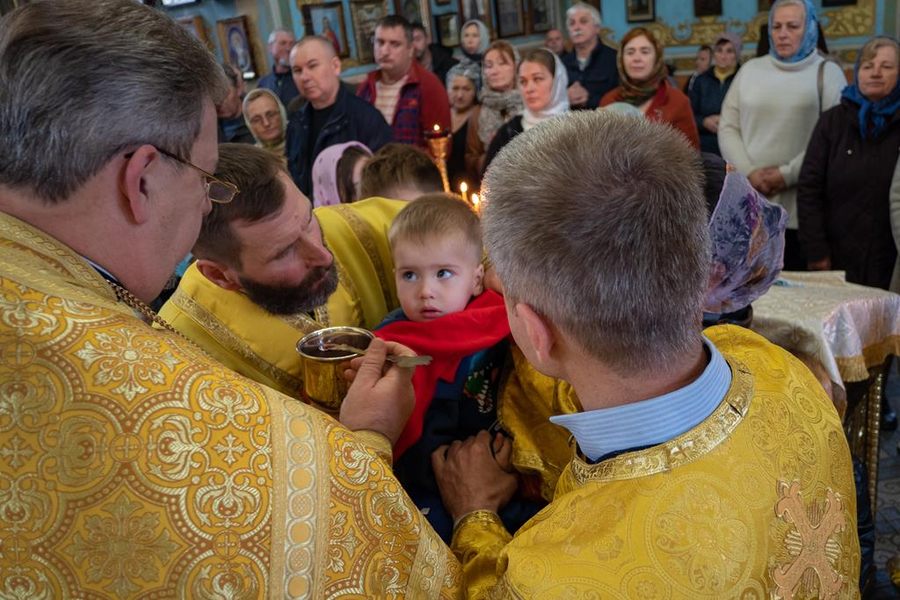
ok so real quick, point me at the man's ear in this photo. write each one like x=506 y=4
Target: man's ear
x=336 y=65
x=541 y=334
x=220 y=274
x=142 y=171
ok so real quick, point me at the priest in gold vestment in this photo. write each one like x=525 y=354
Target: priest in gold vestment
x=702 y=466
x=131 y=463
x=248 y=298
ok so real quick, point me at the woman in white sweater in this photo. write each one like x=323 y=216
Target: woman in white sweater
x=772 y=107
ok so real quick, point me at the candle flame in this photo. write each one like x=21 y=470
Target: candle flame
x=463 y=187
x=437 y=127
x=475 y=200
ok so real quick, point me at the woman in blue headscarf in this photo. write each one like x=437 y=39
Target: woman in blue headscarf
x=843 y=194
x=772 y=107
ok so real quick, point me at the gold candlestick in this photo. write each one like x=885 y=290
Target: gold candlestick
x=439 y=145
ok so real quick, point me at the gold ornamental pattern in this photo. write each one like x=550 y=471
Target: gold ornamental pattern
x=131 y=465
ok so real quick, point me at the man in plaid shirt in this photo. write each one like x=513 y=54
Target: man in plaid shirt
x=410 y=97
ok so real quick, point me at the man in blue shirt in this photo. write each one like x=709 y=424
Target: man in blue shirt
x=280 y=80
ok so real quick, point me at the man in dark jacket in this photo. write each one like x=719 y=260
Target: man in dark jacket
x=330 y=116
x=231 y=125
x=591 y=65
x=279 y=80
x=433 y=57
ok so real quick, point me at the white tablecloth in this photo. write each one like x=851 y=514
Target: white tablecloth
x=847 y=327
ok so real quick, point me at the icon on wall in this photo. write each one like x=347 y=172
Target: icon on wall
x=640 y=11
x=327 y=21
x=236 y=48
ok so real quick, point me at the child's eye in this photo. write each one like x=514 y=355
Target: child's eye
x=444 y=274
x=408 y=276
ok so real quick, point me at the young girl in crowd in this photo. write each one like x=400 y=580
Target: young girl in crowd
x=642 y=83
x=543 y=82
x=337 y=173
x=500 y=102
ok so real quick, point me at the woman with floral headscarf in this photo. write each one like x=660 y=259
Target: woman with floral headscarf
x=844 y=187
x=543 y=81
x=642 y=83
x=772 y=107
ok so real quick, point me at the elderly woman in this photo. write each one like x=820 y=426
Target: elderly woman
x=709 y=89
x=463 y=84
x=772 y=107
x=642 y=83
x=474 y=40
x=265 y=116
x=543 y=81
x=845 y=181
x=500 y=102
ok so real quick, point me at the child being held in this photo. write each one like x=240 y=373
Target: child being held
x=446 y=314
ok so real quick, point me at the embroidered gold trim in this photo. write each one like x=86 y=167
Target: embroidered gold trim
x=809 y=543
x=684 y=449
x=364 y=235
x=227 y=338
x=479 y=516
x=856 y=368
x=78 y=268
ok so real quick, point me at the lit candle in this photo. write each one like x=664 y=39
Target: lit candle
x=476 y=203
x=437 y=128
x=463 y=188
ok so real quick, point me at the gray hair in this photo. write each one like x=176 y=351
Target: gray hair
x=780 y=3
x=595 y=14
x=275 y=33
x=598 y=222
x=83 y=80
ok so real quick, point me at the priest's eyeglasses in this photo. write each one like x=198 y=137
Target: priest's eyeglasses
x=220 y=192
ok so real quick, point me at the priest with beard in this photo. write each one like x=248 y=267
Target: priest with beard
x=270 y=269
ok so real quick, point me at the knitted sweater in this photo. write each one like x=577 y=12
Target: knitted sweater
x=769 y=114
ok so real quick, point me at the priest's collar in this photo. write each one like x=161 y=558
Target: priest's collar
x=609 y=431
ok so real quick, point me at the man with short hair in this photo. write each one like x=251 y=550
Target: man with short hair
x=706 y=463
x=269 y=270
x=279 y=79
x=591 y=64
x=133 y=465
x=400 y=172
x=410 y=97
x=232 y=127
x=555 y=42
x=330 y=116
x=433 y=57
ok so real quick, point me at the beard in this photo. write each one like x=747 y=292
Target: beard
x=306 y=296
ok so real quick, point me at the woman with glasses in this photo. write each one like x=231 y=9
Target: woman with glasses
x=267 y=119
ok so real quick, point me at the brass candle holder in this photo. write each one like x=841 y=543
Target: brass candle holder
x=439 y=145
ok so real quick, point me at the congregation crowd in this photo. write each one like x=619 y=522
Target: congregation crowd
x=594 y=417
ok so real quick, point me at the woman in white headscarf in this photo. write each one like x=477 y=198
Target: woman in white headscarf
x=474 y=40
x=543 y=82
x=267 y=119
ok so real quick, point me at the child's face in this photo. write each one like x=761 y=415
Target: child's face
x=436 y=278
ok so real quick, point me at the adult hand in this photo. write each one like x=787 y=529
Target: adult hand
x=381 y=397
x=820 y=265
x=774 y=179
x=470 y=478
x=711 y=123
x=578 y=96
x=758 y=181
